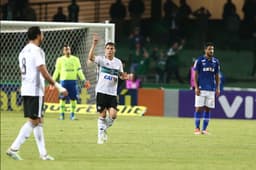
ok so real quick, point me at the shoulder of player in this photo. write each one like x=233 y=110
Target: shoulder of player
x=59 y=59
x=73 y=56
x=100 y=57
x=215 y=59
x=33 y=46
x=117 y=59
x=200 y=58
x=34 y=49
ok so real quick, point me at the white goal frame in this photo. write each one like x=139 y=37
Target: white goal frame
x=10 y=89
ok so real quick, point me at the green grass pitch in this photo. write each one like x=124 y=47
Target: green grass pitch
x=135 y=143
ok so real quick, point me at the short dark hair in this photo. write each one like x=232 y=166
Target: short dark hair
x=33 y=32
x=110 y=43
x=66 y=45
x=208 y=44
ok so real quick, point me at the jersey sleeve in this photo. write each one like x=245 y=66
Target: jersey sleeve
x=57 y=69
x=121 y=67
x=98 y=60
x=39 y=57
x=196 y=65
x=79 y=70
x=217 y=69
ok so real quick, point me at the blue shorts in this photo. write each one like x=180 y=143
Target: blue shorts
x=72 y=88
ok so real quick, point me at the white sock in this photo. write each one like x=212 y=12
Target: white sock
x=109 y=121
x=101 y=126
x=24 y=133
x=39 y=137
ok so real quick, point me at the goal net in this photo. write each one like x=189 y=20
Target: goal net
x=77 y=35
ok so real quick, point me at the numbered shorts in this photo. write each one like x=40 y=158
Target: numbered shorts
x=105 y=101
x=33 y=106
x=206 y=98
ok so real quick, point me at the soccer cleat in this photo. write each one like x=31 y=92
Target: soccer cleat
x=197 y=131
x=205 y=132
x=47 y=158
x=62 y=116
x=72 y=116
x=13 y=154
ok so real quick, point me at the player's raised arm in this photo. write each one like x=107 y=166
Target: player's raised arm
x=91 y=56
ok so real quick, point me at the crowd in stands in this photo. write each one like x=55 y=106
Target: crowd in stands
x=21 y=10
x=18 y=10
x=159 y=62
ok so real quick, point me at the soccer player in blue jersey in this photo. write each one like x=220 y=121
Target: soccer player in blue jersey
x=207 y=85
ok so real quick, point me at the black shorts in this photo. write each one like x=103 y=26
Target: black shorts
x=105 y=101
x=33 y=106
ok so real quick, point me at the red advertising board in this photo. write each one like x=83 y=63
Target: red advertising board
x=153 y=99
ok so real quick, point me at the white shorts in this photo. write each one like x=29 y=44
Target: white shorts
x=206 y=98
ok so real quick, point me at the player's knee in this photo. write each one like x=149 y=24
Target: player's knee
x=35 y=121
x=113 y=113
x=113 y=116
x=103 y=113
x=199 y=109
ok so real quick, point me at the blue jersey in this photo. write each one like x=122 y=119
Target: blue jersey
x=207 y=69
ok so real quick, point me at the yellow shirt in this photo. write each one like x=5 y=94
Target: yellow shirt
x=68 y=68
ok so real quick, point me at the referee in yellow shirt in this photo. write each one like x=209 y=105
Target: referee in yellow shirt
x=68 y=70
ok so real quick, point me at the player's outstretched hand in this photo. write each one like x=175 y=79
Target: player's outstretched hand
x=87 y=84
x=218 y=92
x=61 y=89
x=197 y=91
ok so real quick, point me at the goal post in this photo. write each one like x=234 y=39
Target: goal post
x=56 y=34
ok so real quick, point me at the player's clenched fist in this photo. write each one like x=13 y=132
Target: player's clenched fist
x=95 y=38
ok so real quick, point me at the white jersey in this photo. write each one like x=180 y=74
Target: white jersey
x=32 y=83
x=109 y=71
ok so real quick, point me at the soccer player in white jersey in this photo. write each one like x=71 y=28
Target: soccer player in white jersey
x=110 y=68
x=207 y=85
x=33 y=75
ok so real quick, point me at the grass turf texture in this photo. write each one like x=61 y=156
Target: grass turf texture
x=136 y=143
